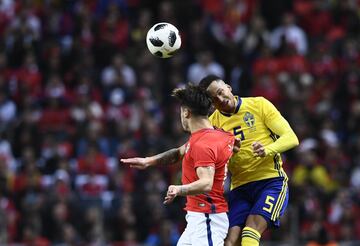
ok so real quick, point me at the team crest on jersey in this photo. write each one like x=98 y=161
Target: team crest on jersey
x=187 y=147
x=249 y=119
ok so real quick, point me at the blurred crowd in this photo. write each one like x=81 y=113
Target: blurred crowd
x=79 y=90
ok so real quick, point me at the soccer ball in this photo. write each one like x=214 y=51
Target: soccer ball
x=163 y=40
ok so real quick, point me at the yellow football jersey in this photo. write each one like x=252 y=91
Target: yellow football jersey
x=256 y=119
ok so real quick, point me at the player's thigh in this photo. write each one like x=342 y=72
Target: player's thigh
x=218 y=226
x=205 y=229
x=239 y=208
x=272 y=201
x=184 y=239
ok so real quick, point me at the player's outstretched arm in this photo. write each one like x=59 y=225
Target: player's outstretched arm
x=279 y=126
x=166 y=158
x=287 y=137
x=287 y=140
x=202 y=185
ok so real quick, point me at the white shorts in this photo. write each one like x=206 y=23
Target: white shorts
x=204 y=229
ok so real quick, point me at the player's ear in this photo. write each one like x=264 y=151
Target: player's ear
x=228 y=86
x=187 y=112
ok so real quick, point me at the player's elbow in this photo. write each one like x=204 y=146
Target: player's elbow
x=297 y=142
x=207 y=187
x=294 y=140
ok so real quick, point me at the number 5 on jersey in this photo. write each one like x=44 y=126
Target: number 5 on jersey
x=238 y=131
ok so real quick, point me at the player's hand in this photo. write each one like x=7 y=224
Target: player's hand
x=172 y=192
x=258 y=149
x=237 y=145
x=137 y=162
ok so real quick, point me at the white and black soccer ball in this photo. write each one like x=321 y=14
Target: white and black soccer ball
x=163 y=40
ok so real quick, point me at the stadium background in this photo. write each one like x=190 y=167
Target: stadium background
x=79 y=90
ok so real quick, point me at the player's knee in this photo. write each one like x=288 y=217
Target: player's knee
x=229 y=242
x=257 y=222
x=232 y=238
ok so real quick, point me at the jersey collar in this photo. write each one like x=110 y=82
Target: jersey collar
x=239 y=101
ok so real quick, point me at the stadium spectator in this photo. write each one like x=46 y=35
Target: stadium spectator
x=289 y=34
x=205 y=64
x=66 y=66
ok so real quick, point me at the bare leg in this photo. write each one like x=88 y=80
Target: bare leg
x=233 y=237
x=256 y=222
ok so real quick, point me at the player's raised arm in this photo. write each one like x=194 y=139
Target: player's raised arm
x=202 y=185
x=166 y=158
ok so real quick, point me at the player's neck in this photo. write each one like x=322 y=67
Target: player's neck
x=199 y=123
x=234 y=103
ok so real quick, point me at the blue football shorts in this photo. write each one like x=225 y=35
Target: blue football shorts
x=268 y=197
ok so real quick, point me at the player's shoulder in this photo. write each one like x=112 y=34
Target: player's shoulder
x=215 y=118
x=214 y=114
x=256 y=99
x=212 y=137
x=219 y=132
x=257 y=103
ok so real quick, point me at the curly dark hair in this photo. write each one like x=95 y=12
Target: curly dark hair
x=193 y=97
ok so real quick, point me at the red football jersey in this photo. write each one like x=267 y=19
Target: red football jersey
x=207 y=147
